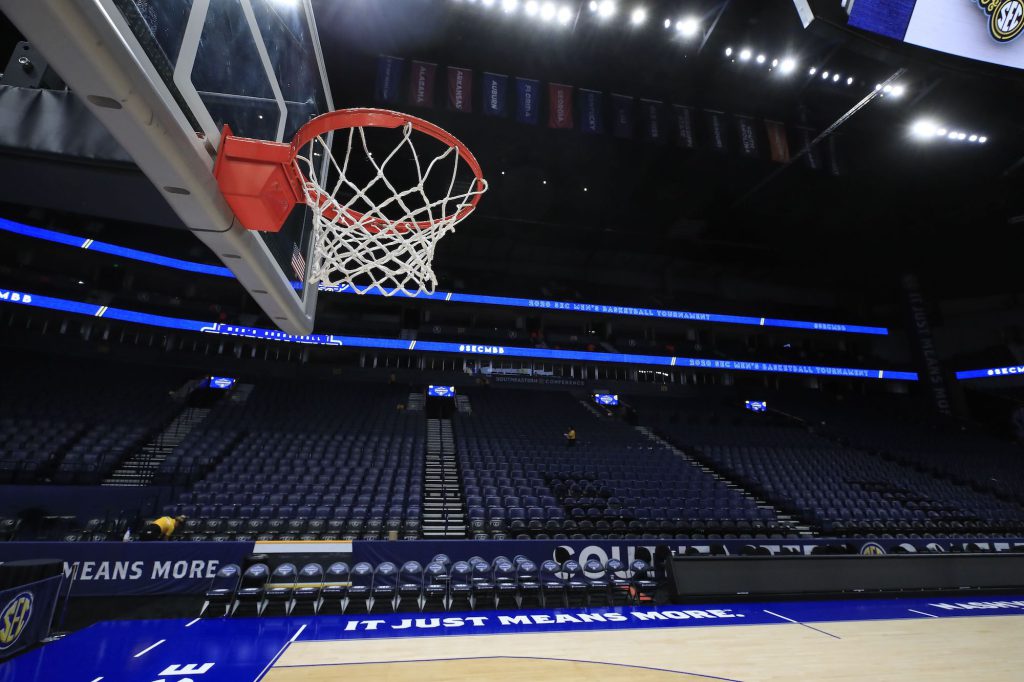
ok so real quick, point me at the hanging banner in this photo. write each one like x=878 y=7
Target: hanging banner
x=650 y=117
x=777 y=142
x=804 y=137
x=559 y=106
x=26 y=613
x=717 y=134
x=389 y=79
x=685 y=136
x=421 y=84
x=622 y=116
x=460 y=89
x=747 y=131
x=591 y=114
x=933 y=374
x=528 y=101
x=494 y=87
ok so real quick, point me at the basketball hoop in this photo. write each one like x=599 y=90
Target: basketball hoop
x=369 y=232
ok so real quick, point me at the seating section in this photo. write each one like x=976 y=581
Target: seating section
x=836 y=489
x=73 y=422
x=304 y=460
x=522 y=481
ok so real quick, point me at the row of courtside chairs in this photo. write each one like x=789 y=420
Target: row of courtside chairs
x=440 y=585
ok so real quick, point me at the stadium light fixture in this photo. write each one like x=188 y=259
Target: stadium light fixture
x=688 y=27
x=775 y=62
x=564 y=15
x=761 y=59
x=973 y=138
x=849 y=81
x=898 y=90
x=509 y=6
x=824 y=75
x=638 y=16
x=787 y=65
x=548 y=11
x=835 y=78
x=925 y=129
x=813 y=70
x=487 y=3
x=728 y=52
x=982 y=140
x=606 y=9
x=745 y=54
x=532 y=8
x=593 y=5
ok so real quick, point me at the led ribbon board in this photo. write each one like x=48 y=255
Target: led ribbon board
x=985 y=30
x=451 y=296
x=92 y=310
x=441 y=391
x=222 y=383
x=1012 y=370
x=606 y=399
x=756 y=405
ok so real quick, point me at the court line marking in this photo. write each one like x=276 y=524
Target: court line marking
x=930 y=615
x=97 y=679
x=192 y=622
x=149 y=648
x=796 y=622
x=519 y=658
x=278 y=655
x=296 y=635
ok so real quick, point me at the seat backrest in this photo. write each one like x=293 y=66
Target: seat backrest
x=442 y=559
x=549 y=570
x=227 y=577
x=256 y=575
x=594 y=569
x=362 y=574
x=436 y=572
x=386 y=574
x=527 y=570
x=412 y=572
x=481 y=569
x=640 y=568
x=461 y=572
x=615 y=568
x=571 y=567
x=312 y=573
x=338 y=572
x=285 y=573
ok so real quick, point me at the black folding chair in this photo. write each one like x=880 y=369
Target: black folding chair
x=410 y=584
x=598 y=585
x=282 y=586
x=552 y=587
x=362 y=584
x=336 y=583
x=253 y=588
x=222 y=588
x=309 y=588
x=460 y=584
x=385 y=586
x=643 y=582
x=435 y=585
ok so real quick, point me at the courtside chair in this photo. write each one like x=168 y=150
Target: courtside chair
x=552 y=587
x=642 y=581
x=410 y=584
x=253 y=588
x=598 y=586
x=527 y=584
x=336 y=583
x=281 y=588
x=435 y=585
x=385 y=586
x=309 y=588
x=362 y=584
x=222 y=588
x=460 y=585
x=504 y=581
x=576 y=586
x=618 y=582
x=483 y=581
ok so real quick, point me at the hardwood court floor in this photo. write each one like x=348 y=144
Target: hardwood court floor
x=964 y=648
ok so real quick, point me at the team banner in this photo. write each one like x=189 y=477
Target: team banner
x=717 y=134
x=777 y=142
x=650 y=118
x=26 y=613
x=591 y=112
x=460 y=89
x=494 y=93
x=389 y=79
x=685 y=136
x=528 y=101
x=622 y=116
x=559 y=106
x=747 y=132
x=804 y=137
x=933 y=374
x=421 y=84
x=134 y=568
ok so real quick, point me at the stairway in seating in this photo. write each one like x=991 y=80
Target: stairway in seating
x=462 y=404
x=141 y=468
x=444 y=513
x=415 y=402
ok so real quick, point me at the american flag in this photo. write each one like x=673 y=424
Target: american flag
x=298 y=263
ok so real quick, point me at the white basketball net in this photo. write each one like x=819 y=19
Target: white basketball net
x=366 y=243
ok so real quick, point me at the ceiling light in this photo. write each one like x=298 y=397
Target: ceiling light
x=835 y=78
x=745 y=54
x=849 y=81
x=813 y=70
x=638 y=16
x=761 y=59
x=688 y=27
x=924 y=128
x=982 y=139
x=973 y=138
x=488 y=3
x=878 y=86
x=728 y=52
x=953 y=135
x=548 y=11
x=593 y=5
x=564 y=15
x=606 y=9
x=824 y=75
x=510 y=5
x=532 y=7
x=668 y=23
x=898 y=90
x=941 y=132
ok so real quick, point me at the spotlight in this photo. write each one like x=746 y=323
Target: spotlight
x=606 y=9
x=510 y=5
x=787 y=65
x=593 y=5
x=638 y=16
x=548 y=11
x=668 y=23
x=849 y=81
x=775 y=62
x=824 y=75
x=487 y=3
x=973 y=138
x=924 y=128
x=532 y=7
x=982 y=139
x=543 y=182
x=835 y=78
x=688 y=27
x=761 y=58
x=961 y=136
x=728 y=52
x=745 y=54
x=898 y=90
x=953 y=135
x=878 y=86
x=887 y=89
x=564 y=15
x=813 y=70
x=585 y=189
x=941 y=132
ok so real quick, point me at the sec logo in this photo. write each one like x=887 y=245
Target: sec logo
x=1007 y=20
x=13 y=619
x=872 y=549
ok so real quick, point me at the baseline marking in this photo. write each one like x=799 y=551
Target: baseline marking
x=930 y=615
x=192 y=622
x=796 y=622
x=97 y=679
x=149 y=648
x=296 y=635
